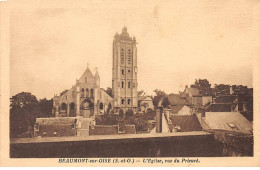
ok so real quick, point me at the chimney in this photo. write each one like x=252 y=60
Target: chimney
x=159 y=112
x=167 y=113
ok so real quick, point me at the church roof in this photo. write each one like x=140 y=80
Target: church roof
x=87 y=73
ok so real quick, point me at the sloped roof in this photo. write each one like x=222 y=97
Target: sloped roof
x=175 y=109
x=87 y=74
x=176 y=99
x=186 y=122
x=224 y=121
x=145 y=98
x=193 y=91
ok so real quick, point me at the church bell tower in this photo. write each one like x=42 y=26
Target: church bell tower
x=124 y=76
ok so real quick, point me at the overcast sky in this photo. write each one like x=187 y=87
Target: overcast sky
x=178 y=42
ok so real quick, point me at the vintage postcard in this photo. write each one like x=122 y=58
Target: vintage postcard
x=130 y=83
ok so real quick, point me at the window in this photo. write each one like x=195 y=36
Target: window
x=82 y=92
x=123 y=71
x=129 y=57
x=91 y=92
x=129 y=71
x=122 y=57
x=63 y=106
x=86 y=79
x=101 y=106
x=129 y=101
x=122 y=85
x=129 y=84
x=123 y=101
x=87 y=92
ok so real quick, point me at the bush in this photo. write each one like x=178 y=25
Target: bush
x=121 y=113
x=129 y=112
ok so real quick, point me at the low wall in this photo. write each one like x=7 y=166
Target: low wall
x=168 y=146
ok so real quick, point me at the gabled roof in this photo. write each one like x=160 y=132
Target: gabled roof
x=87 y=74
x=230 y=121
x=186 y=122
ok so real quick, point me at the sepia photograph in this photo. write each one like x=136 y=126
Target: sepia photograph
x=132 y=79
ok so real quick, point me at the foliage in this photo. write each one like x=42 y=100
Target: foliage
x=160 y=96
x=129 y=112
x=203 y=86
x=24 y=109
x=107 y=119
x=121 y=112
x=140 y=121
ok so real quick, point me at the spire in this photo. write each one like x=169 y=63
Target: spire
x=96 y=74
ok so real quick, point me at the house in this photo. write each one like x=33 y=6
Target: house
x=206 y=100
x=230 y=128
x=189 y=92
x=227 y=121
x=145 y=102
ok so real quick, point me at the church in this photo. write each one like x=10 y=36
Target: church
x=87 y=99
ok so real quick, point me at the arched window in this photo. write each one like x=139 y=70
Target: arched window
x=123 y=101
x=82 y=92
x=122 y=85
x=123 y=71
x=72 y=106
x=101 y=106
x=122 y=57
x=129 y=57
x=87 y=92
x=63 y=106
x=91 y=92
x=129 y=101
x=129 y=84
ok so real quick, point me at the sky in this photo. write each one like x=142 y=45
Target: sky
x=178 y=42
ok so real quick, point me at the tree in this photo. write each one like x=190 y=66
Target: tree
x=162 y=97
x=23 y=109
x=23 y=100
x=203 y=86
x=45 y=107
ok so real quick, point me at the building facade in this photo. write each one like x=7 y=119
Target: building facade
x=124 y=72
x=85 y=98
